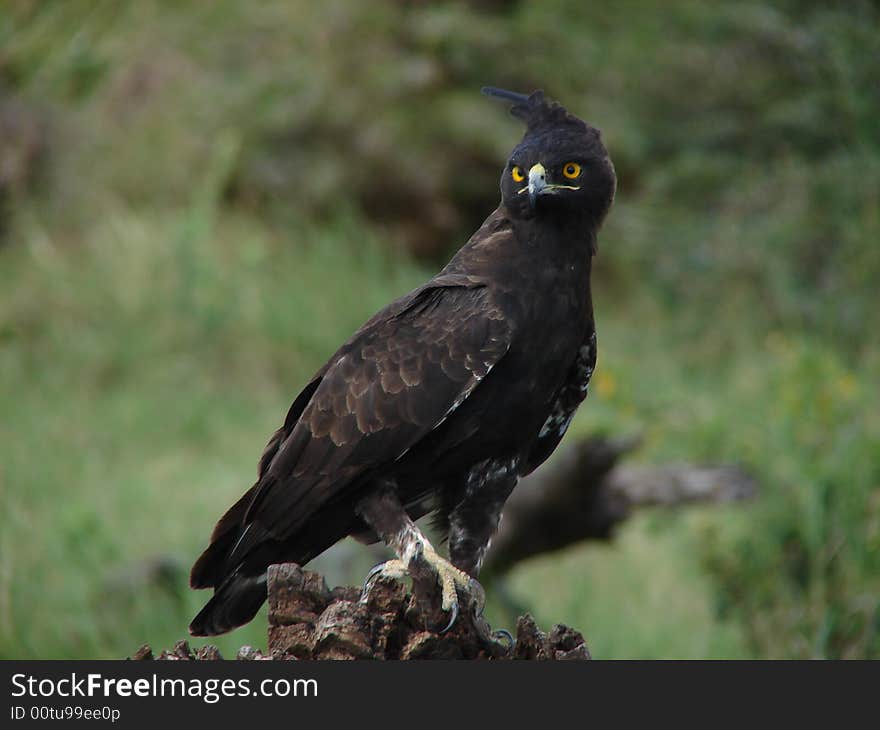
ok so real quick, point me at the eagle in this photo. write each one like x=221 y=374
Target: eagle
x=444 y=399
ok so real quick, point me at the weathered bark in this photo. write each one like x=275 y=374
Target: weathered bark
x=583 y=494
x=307 y=620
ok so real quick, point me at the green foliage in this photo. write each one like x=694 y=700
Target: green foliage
x=805 y=569
x=216 y=187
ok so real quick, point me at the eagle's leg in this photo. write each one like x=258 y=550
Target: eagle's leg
x=383 y=512
x=474 y=520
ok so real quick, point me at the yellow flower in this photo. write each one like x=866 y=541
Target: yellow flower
x=606 y=385
x=847 y=385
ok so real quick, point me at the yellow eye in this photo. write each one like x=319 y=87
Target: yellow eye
x=571 y=170
x=517 y=174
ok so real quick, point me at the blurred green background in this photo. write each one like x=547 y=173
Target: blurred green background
x=199 y=201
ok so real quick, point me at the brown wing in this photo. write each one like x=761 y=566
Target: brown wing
x=391 y=384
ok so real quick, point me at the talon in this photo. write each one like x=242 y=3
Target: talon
x=499 y=642
x=368 y=581
x=389 y=569
x=477 y=594
x=504 y=634
x=374 y=571
x=454 y=611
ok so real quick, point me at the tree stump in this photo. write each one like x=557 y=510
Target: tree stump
x=307 y=620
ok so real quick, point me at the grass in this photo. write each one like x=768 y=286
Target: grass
x=643 y=597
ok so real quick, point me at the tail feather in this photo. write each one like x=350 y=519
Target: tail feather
x=239 y=556
x=208 y=570
x=234 y=603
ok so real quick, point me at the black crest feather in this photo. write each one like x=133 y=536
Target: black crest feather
x=538 y=112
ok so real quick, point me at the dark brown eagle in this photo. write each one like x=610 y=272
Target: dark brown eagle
x=445 y=398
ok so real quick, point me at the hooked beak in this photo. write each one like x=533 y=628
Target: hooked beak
x=537 y=183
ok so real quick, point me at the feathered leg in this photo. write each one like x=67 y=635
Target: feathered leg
x=474 y=520
x=384 y=513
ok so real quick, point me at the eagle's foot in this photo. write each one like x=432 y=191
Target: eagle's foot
x=430 y=571
x=460 y=588
x=431 y=574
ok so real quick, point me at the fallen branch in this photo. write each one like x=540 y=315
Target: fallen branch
x=583 y=494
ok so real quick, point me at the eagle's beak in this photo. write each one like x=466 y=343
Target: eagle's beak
x=537 y=182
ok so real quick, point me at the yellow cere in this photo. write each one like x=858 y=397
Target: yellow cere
x=571 y=170
x=517 y=174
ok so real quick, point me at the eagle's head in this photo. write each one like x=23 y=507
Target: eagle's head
x=560 y=169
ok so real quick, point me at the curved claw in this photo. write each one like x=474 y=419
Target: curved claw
x=374 y=571
x=504 y=634
x=498 y=643
x=453 y=618
x=391 y=568
x=477 y=594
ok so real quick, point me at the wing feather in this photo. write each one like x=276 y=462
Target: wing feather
x=400 y=376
